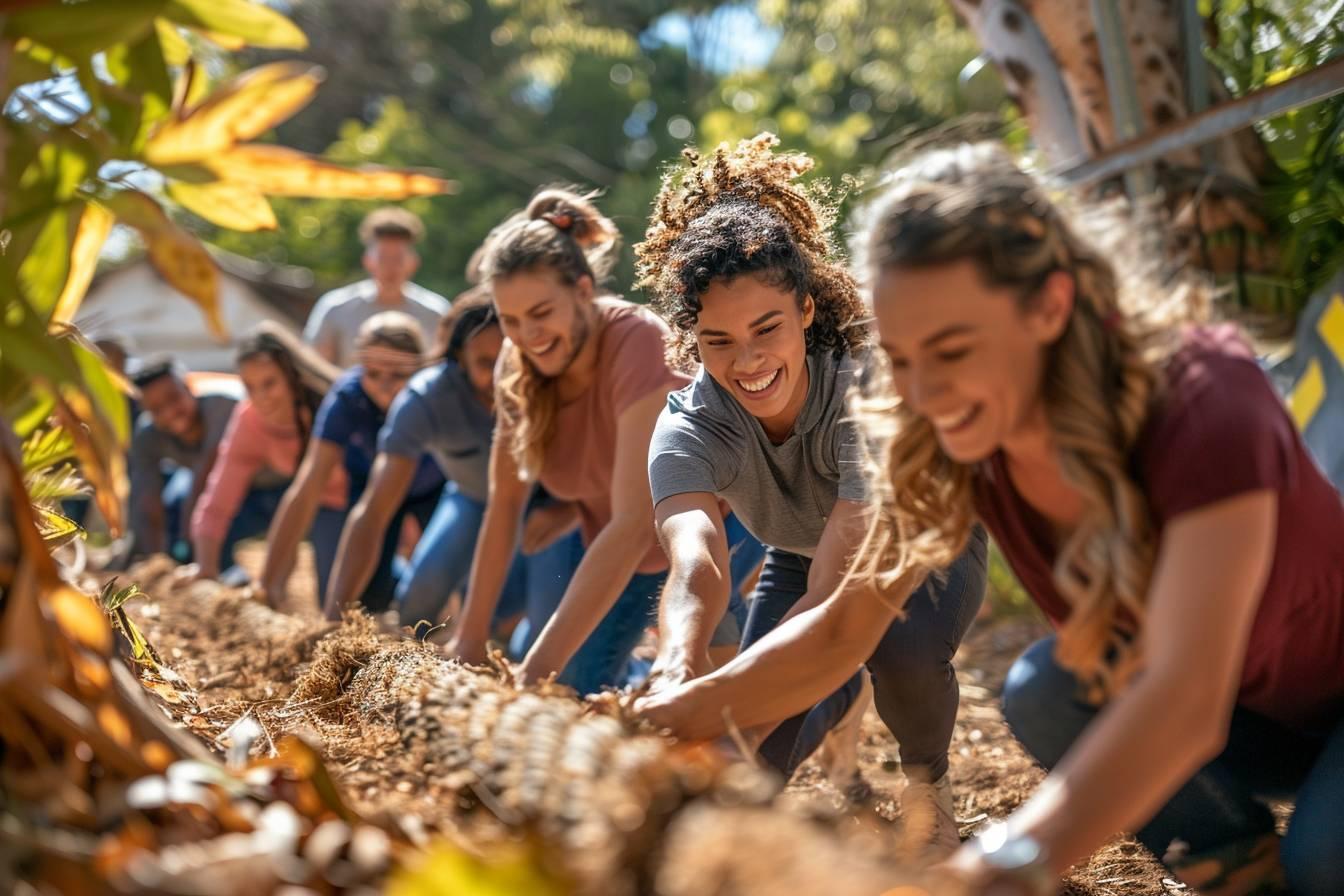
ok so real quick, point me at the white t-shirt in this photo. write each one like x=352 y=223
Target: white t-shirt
x=338 y=315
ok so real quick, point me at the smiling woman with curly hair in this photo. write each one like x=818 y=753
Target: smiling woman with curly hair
x=740 y=263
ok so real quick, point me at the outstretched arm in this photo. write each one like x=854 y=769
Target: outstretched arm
x=616 y=551
x=690 y=527
x=295 y=515
x=364 y=531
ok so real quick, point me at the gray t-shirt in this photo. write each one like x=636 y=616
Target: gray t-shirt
x=336 y=318
x=438 y=414
x=152 y=448
x=705 y=441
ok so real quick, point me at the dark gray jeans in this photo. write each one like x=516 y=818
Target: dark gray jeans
x=914 y=686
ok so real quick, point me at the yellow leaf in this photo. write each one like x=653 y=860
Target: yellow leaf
x=114 y=724
x=447 y=868
x=94 y=226
x=232 y=205
x=243 y=20
x=177 y=255
x=279 y=171
x=77 y=616
x=238 y=110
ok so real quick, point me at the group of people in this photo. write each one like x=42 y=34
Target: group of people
x=793 y=482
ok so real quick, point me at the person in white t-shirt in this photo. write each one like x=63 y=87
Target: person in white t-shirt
x=389 y=236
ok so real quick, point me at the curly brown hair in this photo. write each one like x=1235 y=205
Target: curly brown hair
x=742 y=210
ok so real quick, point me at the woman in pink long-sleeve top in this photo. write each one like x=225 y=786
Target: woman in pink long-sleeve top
x=268 y=430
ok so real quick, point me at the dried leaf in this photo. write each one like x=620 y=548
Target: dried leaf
x=279 y=171
x=175 y=254
x=94 y=225
x=233 y=205
x=56 y=528
x=238 y=110
x=447 y=868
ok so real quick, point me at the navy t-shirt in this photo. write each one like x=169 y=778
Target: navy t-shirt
x=349 y=418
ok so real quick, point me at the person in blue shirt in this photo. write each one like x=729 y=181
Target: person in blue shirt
x=345 y=433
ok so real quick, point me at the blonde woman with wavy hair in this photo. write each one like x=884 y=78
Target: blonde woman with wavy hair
x=581 y=381
x=1150 y=492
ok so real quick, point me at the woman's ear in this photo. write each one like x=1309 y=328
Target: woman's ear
x=584 y=286
x=1050 y=313
x=809 y=311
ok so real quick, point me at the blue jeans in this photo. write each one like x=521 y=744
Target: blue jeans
x=441 y=563
x=391 y=569
x=253 y=519
x=1219 y=808
x=604 y=659
x=914 y=684
x=744 y=554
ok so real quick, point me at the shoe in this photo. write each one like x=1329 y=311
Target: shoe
x=838 y=754
x=930 y=831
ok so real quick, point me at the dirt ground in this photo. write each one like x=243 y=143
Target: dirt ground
x=244 y=660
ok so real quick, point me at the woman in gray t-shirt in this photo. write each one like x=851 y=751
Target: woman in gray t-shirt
x=739 y=263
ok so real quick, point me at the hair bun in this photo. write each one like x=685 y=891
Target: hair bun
x=560 y=220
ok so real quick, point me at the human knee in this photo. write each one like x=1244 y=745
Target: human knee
x=1312 y=860
x=1035 y=690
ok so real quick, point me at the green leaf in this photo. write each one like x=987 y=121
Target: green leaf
x=47 y=447
x=108 y=396
x=142 y=69
x=113 y=597
x=56 y=528
x=43 y=271
x=49 y=487
x=79 y=30
x=250 y=21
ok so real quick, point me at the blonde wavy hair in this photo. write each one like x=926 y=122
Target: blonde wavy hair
x=561 y=229
x=1100 y=381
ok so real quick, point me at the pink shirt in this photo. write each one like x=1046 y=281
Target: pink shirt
x=631 y=363
x=249 y=445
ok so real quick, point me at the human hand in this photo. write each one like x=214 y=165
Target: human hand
x=472 y=651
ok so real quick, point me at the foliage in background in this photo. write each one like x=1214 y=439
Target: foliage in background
x=1262 y=42
x=511 y=95
x=109 y=119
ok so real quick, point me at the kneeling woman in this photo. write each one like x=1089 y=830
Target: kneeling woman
x=285 y=382
x=581 y=384
x=1154 y=497
x=740 y=263
x=345 y=435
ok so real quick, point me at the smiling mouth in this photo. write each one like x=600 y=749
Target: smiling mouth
x=954 y=423
x=760 y=383
x=540 y=351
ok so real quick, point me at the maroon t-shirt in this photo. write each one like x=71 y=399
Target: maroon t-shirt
x=1220 y=431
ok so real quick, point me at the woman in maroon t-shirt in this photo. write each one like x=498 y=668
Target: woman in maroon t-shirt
x=1148 y=488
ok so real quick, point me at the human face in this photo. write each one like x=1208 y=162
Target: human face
x=478 y=361
x=268 y=389
x=173 y=408
x=545 y=317
x=752 y=341
x=967 y=356
x=391 y=261
x=382 y=381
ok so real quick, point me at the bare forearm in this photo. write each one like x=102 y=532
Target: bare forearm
x=602 y=575
x=206 y=550
x=1138 y=753
x=292 y=522
x=489 y=569
x=796 y=665
x=693 y=601
x=354 y=561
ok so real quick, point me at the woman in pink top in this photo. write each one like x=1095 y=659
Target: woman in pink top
x=285 y=382
x=1149 y=489
x=582 y=382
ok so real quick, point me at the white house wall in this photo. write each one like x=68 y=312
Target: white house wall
x=136 y=303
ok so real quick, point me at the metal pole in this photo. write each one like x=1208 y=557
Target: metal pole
x=1320 y=83
x=1124 y=96
x=1196 y=69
